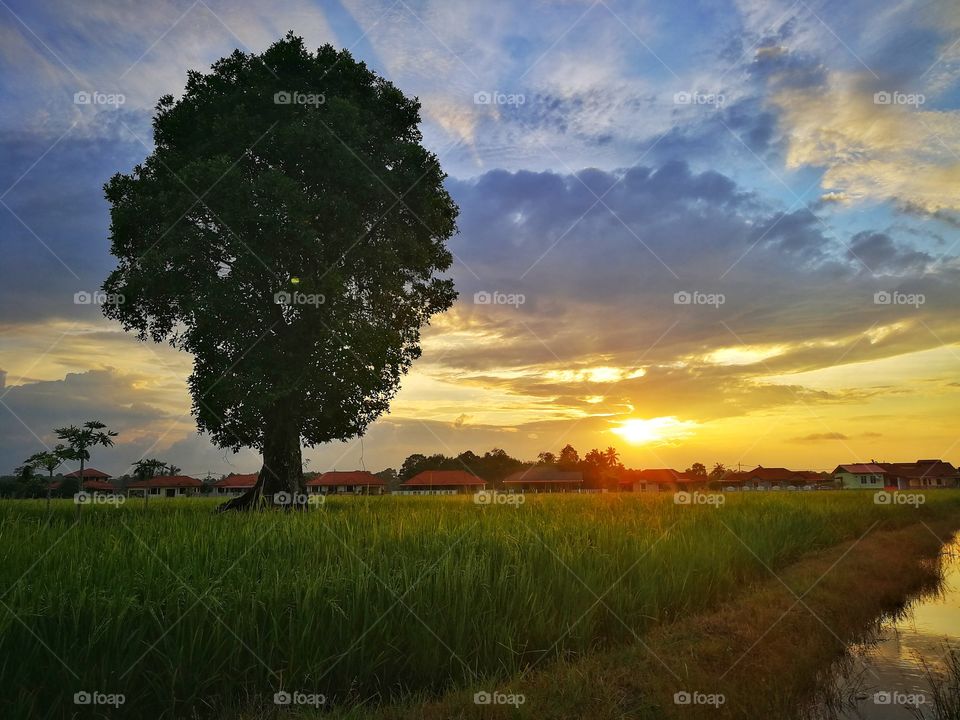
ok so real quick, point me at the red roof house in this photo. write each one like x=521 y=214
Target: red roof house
x=98 y=486
x=441 y=482
x=235 y=484
x=659 y=480
x=166 y=486
x=352 y=482
x=864 y=476
x=775 y=478
x=921 y=475
x=544 y=479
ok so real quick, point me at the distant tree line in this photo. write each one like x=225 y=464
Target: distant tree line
x=600 y=468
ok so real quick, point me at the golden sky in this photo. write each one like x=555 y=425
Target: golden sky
x=697 y=240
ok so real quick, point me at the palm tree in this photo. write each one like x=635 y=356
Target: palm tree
x=80 y=439
x=611 y=457
x=146 y=468
x=173 y=469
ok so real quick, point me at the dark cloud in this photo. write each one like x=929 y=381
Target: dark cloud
x=880 y=253
x=54 y=230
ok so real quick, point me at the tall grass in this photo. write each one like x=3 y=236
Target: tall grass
x=185 y=612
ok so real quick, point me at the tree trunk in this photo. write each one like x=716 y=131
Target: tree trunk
x=280 y=481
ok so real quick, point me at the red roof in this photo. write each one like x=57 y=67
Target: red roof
x=922 y=469
x=98 y=485
x=443 y=478
x=766 y=474
x=773 y=474
x=89 y=473
x=658 y=475
x=351 y=477
x=237 y=481
x=166 y=481
x=543 y=475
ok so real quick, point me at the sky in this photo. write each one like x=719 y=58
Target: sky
x=697 y=231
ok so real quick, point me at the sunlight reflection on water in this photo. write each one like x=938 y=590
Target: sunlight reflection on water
x=884 y=678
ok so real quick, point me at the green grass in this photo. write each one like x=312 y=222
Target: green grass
x=185 y=612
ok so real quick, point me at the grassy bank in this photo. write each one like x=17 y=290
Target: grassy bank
x=369 y=599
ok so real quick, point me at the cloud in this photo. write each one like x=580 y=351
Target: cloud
x=123 y=401
x=871 y=150
x=879 y=252
x=817 y=437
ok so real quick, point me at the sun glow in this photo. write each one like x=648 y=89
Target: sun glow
x=654 y=430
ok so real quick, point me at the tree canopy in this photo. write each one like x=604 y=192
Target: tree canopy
x=287 y=230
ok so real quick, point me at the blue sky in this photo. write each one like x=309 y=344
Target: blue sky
x=794 y=157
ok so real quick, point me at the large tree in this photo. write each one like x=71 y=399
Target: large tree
x=287 y=231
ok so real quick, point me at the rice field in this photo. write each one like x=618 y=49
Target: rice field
x=185 y=613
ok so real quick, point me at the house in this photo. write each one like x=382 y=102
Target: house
x=441 y=482
x=99 y=487
x=544 y=479
x=88 y=474
x=234 y=485
x=353 y=482
x=659 y=480
x=921 y=475
x=776 y=478
x=165 y=486
x=861 y=476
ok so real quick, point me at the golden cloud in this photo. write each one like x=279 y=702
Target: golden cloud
x=875 y=145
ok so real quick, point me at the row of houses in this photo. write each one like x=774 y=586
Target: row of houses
x=760 y=478
x=354 y=482
x=922 y=474
x=919 y=475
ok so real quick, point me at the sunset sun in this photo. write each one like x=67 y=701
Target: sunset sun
x=640 y=431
